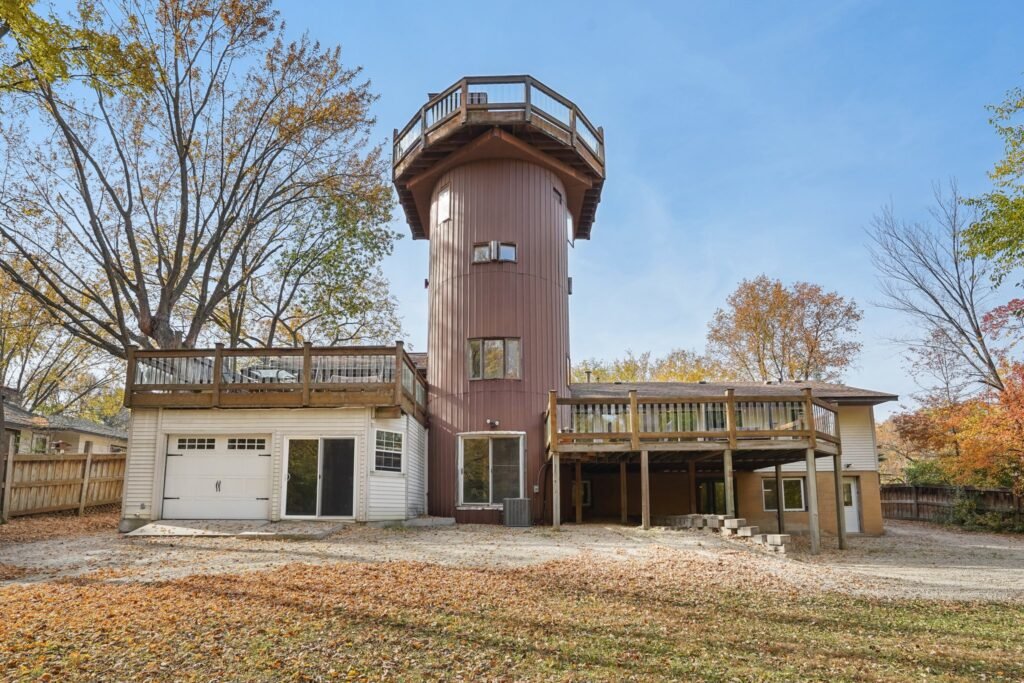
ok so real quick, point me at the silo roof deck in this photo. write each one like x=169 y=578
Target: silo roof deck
x=527 y=117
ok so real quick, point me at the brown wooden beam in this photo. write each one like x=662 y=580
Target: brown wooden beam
x=779 y=500
x=813 y=518
x=623 y=487
x=837 y=470
x=578 y=492
x=645 y=491
x=691 y=471
x=556 y=491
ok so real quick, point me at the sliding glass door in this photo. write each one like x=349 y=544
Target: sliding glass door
x=320 y=478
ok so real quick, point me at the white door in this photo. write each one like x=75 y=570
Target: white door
x=217 y=477
x=851 y=504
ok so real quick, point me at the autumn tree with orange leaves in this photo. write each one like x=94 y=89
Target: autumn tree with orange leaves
x=768 y=331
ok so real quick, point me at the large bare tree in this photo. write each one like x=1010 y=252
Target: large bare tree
x=142 y=214
x=926 y=272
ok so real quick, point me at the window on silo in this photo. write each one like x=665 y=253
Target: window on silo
x=482 y=253
x=444 y=205
x=486 y=252
x=494 y=359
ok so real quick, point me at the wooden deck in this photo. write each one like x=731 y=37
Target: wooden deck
x=759 y=431
x=383 y=377
x=520 y=106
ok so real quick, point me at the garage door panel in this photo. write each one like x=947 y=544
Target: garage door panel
x=216 y=483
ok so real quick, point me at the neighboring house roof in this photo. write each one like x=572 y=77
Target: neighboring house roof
x=837 y=393
x=17 y=416
x=77 y=424
x=418 y=359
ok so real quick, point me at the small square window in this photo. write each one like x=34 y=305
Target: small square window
x=481 y=253
x=507 y=252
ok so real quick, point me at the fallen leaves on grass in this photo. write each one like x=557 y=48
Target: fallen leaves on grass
x=669 y=616
x=59 y=525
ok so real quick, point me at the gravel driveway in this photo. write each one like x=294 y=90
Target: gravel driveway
x=911 y=560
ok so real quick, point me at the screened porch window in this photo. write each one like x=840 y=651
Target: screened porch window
x=491 y=469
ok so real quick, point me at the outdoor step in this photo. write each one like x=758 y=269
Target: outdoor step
x=735 y=523
x=713 y=522
x=726 y=531
x=778 y=539
x=759 y=539
x=749 y=531
x=697 y=522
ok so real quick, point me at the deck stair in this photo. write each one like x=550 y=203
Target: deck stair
x=729 y=527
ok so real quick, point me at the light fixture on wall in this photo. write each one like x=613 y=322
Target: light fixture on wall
x=493 y=424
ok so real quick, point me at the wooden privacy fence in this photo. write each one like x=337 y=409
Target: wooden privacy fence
x=932 y=503
x=35 y=483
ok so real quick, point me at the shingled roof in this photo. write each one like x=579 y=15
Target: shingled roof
x=837 y=393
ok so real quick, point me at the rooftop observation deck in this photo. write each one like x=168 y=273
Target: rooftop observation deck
x=760 y=429
x=527 y=120
x=383 y=377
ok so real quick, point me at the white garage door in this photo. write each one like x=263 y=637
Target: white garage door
x=217 y=477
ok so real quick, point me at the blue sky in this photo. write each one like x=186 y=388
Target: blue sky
x=742 y=138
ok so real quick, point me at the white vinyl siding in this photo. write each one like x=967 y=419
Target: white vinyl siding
x=416 y=467
x=399 y=498
x=140 y=465
x=857 y=431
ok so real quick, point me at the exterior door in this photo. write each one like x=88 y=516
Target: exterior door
x=217 y=477
x=851 y=504
x=320 y=478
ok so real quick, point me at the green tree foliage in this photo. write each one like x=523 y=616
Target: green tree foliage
x=998 y=234
x=678 y=365
x=42 y=51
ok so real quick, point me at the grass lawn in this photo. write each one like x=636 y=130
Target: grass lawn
x=671 y=617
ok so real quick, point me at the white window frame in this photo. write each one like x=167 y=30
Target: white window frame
x=319 y=473
x=483 y=358
x=444 y=204
x=401 y=452
x=803 y=495
x=493 y=255
x=491 y=435
x=46 y=443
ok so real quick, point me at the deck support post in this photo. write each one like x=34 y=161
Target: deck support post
x=813 y=518
x=730 y=497
x=691 y=473
x=645 y=491
x=780 y=499
x=577 y=489
x=623 y=487
x=556 y=491
x=837 y=470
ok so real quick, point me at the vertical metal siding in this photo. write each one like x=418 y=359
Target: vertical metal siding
x=503 y=200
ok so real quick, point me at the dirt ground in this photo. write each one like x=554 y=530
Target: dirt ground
x=912 y=560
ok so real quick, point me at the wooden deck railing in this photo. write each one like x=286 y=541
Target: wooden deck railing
x=36 y=483
x=735 y=421
x=519 y=97
x=283 y=377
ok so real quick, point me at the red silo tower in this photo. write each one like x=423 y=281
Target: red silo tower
x=499 y=173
